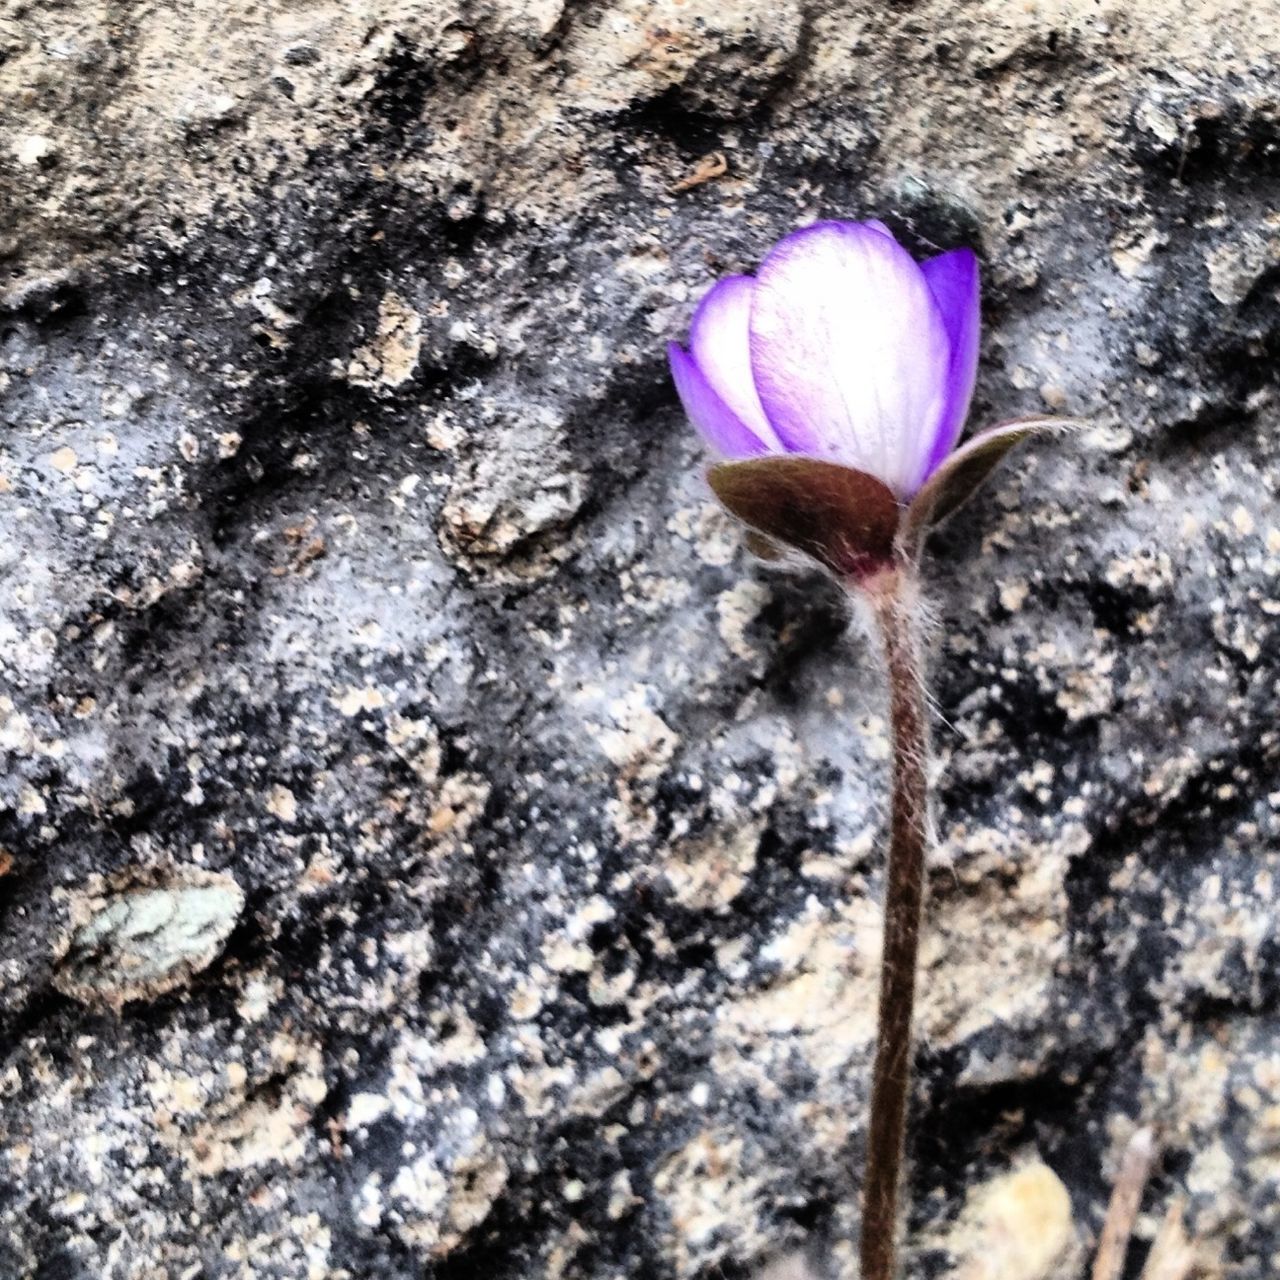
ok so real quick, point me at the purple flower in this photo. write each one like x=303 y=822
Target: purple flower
x=841 y=348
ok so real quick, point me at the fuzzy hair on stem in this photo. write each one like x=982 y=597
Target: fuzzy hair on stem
x=895 y=603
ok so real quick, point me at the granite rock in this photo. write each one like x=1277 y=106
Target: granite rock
x=356 y=555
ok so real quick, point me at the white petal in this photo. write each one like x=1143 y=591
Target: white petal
x=849 y=352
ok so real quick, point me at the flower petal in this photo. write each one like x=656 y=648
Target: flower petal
x=719 y=343
x=849 y=351
x=953 y=280
x=715 y=421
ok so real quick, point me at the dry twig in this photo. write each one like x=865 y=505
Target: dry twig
x=707 y=169
x=1172 y=1255
x=1122 y=1212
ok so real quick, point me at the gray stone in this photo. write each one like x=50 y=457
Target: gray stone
x=355 y=549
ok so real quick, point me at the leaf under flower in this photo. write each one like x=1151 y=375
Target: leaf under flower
x=962 y=473
x=763 y=548
x=844 y=519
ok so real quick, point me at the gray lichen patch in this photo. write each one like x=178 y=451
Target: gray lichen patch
x=138 y=940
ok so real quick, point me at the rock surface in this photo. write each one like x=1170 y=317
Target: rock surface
x=355 y=551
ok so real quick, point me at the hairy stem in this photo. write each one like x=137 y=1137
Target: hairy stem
x=894 y=596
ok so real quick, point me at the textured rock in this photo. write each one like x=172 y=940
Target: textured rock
x=1017 y=1226
x=355 y=550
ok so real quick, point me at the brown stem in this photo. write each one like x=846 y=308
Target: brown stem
x=893 y=596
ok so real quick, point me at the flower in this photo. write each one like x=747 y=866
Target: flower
x=841 y=348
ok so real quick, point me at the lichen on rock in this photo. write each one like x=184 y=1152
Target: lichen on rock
x=145 y=933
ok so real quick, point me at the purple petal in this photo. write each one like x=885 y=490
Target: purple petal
x=715 y=421
x=849 y=351
x=953 y=278
x=720 y=345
